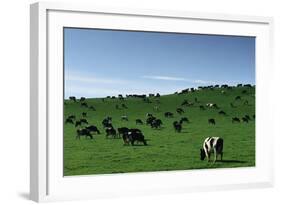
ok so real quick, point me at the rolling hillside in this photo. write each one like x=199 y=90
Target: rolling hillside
x=167 y=149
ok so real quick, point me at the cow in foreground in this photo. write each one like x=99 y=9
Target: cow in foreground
x=212 y=145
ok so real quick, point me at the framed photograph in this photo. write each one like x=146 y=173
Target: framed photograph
x=131 y=102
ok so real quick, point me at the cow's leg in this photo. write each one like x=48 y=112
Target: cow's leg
x=215 y=155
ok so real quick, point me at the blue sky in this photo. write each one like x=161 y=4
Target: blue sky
x=99 y=63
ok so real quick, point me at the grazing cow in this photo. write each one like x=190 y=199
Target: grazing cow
x=244 y=119
x=177 y=126
x=248 y=85
x=202 y=107
x=222 y=112
x=83 y=132
x=212 y=105
x=92 y=108
x=212 y=121
x=238 y=97
x=110 y=131
x=139 y=121
x=124 y=117
x=122 y=131
x=246 y=102
x=212 y=145
x=93 y=128
x=107 y=122
x=78 y=123
x=239 y=85
x=134 y=136
x=168 y=114
x=180 y=110
x=82 y=99
x=84 y=121
x=248 y=117
x=84 y=114
x=72 y=98
x=186 y=103
x=84 y=104
x=71 y=117
x=235 y=119
x=149 y=120
x=184 y=119
x=156 y=123
x=69 y=120
x=244 y=91
x=124 y=106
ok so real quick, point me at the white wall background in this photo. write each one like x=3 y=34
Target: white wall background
x=14 y=101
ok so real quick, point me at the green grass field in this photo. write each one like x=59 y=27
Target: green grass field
x=166 y=150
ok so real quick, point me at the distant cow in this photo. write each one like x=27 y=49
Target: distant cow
x=149 y=120
x=184 y=119
x=132 y=137
x=202 y=107
x=139 y=121
x=69 y=120
x=71 y=117
x=244 y=119
x=238 y=97
x=84 y=121
x=235 y=119
x=78 y=123
x=92 y=108
x=93 y=128
x=222 y=112
x=168 y=114
x=82 y=99
x=84 y=114
x=177 y=126
x=84 y=104
x=212 y=121
x=110 y=131
x=124 y=117
x=83 y=132
x=212 y=145
x=212 y=105
x=248 y=117
x=180 y=110
x=124 y=106
x=72 y=98
x=106 y=122
x=156 y=123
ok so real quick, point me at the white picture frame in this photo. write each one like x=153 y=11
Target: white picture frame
x=46 y=179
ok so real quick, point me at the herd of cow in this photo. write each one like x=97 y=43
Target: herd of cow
x=133 y=135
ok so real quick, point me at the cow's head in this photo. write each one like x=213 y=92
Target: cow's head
x=202 y=154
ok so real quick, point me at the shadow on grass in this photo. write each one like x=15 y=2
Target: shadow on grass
x=231 y=161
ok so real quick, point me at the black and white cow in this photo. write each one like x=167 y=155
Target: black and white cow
x=212 y=145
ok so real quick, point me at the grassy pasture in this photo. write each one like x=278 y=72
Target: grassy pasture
x=166 y=150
